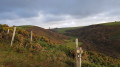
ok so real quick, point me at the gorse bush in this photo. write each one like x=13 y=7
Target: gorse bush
x=100 y=59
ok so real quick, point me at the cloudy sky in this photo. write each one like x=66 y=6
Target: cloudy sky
x=58 y=13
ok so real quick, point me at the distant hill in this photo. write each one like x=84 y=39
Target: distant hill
x=63 y=30
x=103 y=38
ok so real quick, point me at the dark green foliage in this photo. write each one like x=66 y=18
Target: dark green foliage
x=46 y=45
x=99 y=58
x=91 y=65
x=113 y=65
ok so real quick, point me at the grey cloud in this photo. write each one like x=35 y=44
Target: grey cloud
x=72 y=7
x=55 y=10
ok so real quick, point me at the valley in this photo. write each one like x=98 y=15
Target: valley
x=56 y=47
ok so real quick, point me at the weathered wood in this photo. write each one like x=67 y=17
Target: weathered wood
x=8 y=31
x=79 y=52
x=31 y=37
x=76 y=42
x=13 y=36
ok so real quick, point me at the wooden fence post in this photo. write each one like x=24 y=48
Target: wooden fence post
x=79 y=52
x=31 y=37
x=76 y=42
x=8 y=31
x=13 y=36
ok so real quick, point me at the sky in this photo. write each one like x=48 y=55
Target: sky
x=58 y=13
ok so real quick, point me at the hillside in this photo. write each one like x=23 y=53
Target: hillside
x=53 y=37
x=43 y=52
x=103 y=38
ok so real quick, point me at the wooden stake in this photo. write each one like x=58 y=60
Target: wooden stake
x=76 y=42
x=31 y=37
x=13 y=36
x=81 y=51
x=8 y=31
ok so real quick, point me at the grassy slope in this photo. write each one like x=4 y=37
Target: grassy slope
x=112 y=23
x=63 y=30
x=116 y=32
x=47 y=56
x=41 y=54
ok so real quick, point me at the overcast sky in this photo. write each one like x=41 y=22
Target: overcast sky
x=58 y=13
